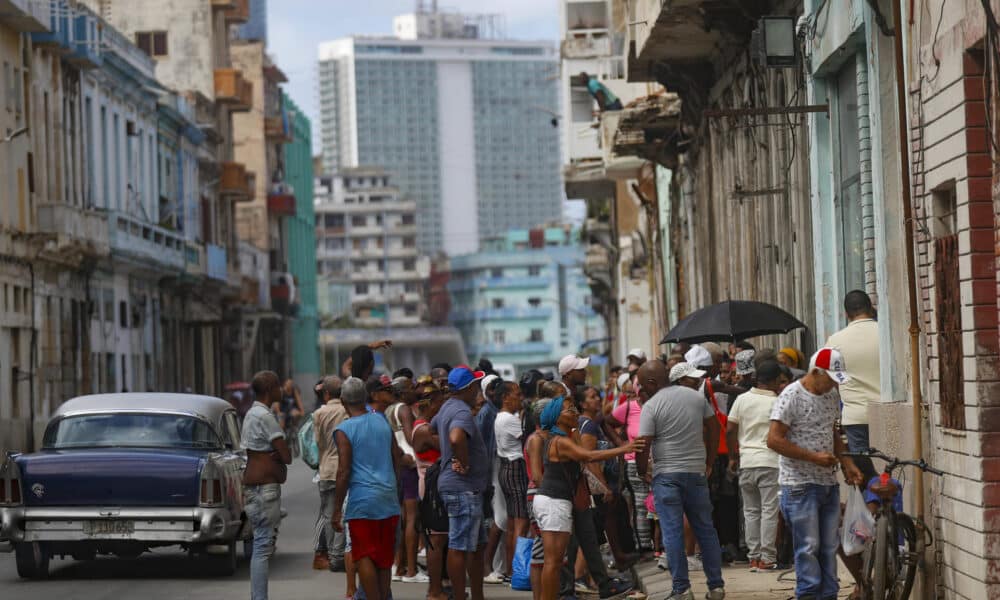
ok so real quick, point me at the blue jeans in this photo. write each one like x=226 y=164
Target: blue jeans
x=466 y=532
x=677 y=495
x=812 y=512
x=263 y=508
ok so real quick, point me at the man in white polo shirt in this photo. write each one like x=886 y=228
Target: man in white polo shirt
x=858 y=343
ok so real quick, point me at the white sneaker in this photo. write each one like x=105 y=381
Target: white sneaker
x=716 y=594
x=397 y=578
x=493 y=578
x=662 y=564
x=694 y=563
x=420 y=577
x=686 y=595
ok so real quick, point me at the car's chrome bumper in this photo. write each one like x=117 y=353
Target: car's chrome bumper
x=177 y=525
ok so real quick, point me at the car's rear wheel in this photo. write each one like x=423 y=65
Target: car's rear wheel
x=32 y=560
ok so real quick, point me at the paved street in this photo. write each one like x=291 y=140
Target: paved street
x=168 y=574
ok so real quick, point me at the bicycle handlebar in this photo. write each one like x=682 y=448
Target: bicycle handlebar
x=895 y=462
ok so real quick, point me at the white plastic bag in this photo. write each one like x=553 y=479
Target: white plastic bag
x=859 y=524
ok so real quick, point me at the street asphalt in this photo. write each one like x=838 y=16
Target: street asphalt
x=169 y=574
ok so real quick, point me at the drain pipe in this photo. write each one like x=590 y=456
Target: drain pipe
x=911 y=272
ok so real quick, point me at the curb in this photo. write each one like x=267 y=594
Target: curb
x=651 y=580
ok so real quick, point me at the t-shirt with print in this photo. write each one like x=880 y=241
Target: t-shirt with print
x=260 y=428
x=752 y=413
x=455 y=414
x=810 y=419
x=629 y=413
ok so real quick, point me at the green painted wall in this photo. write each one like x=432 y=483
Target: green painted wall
x=301 y=235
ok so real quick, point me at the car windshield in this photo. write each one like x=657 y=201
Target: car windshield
x=139 y=430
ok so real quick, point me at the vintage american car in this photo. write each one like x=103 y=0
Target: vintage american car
x=123 y=473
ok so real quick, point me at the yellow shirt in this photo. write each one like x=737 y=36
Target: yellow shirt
x=752 y=412
x=858 y=342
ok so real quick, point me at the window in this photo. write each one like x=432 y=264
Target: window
x=847 y=180
x=534 y=302
x=153 y=43
x=357 y=244
x=333 y=221
x=361 y=288
x=536 y=336
x=409 y=242
x=947 y=287
x=410 y=310
x=334 y=243
x=408 y=220
x=496 y=273
x=497 y=303
x=358 y=221
x=534 y=271
x=409 y=264
x=499 y=336
x=411 y=287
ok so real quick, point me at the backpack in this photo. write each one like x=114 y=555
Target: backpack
x=307 y=443
x=433 y=513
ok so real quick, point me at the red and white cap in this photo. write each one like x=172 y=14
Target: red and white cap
x=831 y=362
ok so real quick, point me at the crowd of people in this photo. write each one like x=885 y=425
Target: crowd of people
x=697 y=458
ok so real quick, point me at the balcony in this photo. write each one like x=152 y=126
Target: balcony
x=648 y=129
x=195 y=263
x=87 y=40
x=281 y=205
x=233 y=90
x=685 y=34
x=238 y=13
x=503 y=314
x=223 y=4
x=235 y=181
x=217 y=266
x=145 y=244
x=79 y=232
x=284 y=298
x=498 y=283
x=277 y=130
x=59 y=32
x=505 y=349
x=583 y=46
x=26 y=16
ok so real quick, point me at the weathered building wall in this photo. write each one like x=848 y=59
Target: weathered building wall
x=250 y=147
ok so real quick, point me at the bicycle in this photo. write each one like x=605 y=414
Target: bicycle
x=890 y=567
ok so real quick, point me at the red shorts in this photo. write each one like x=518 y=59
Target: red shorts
x=375 y=540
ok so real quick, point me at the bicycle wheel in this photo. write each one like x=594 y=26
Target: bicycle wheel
x=877 y=559
x=909 y=558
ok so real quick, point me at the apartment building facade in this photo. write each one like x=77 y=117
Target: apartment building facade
x=366 y=243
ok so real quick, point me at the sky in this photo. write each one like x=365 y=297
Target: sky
x=297 y=27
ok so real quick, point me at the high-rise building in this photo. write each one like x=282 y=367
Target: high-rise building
x=465 y=126
x=255 y=29
x=366 y=241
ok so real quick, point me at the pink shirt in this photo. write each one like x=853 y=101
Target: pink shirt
x=629 y=414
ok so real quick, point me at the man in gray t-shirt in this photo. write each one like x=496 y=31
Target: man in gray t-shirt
x=680 y=427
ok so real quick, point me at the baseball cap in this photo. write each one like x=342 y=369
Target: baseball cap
x=572 y=362
x=699 y=357
x=489 y=379
x=682 y=370
x=744 y=362
x=462 y=377
x=636 y=353
x=623 y=379
x=831 y=362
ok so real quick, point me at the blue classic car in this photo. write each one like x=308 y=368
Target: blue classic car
x=122 y=473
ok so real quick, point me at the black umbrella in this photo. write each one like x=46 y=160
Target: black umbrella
x=731 y=321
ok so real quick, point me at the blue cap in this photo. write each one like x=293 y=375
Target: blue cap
x=462 y=377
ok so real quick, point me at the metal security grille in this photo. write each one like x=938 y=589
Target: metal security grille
x=949 y=326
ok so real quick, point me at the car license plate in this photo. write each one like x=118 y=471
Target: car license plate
x=108 y=527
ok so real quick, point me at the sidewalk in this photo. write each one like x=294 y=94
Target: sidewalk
x=741 y=584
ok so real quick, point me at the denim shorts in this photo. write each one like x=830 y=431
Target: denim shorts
x=466 y=531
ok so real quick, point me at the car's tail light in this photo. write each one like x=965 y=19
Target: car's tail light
x=10 y=482
x=210 y=488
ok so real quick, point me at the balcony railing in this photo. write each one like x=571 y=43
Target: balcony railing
x=282 y=205
x=217 y=265
x=503 y=314
x=26 y=16
x=591 y=46
x=235 y=181
x=59 y=32
x=87 y=40
x=239 y=12
x=78 y=230
x=141 y=241
x=494 y=283
x=233 y=90
x=194 y=259
x=516 y=348
x=277 y=129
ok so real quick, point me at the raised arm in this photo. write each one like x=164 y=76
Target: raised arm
x=568 y=449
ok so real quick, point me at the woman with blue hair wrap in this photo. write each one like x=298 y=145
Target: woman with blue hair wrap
x=553 y=504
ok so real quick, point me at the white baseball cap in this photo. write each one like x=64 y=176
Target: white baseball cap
x=623 y=379
x=682 y=370
x=699 y=357
x=487 y=381
x=572 y=362
x=636 y=353
x=831 y=362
